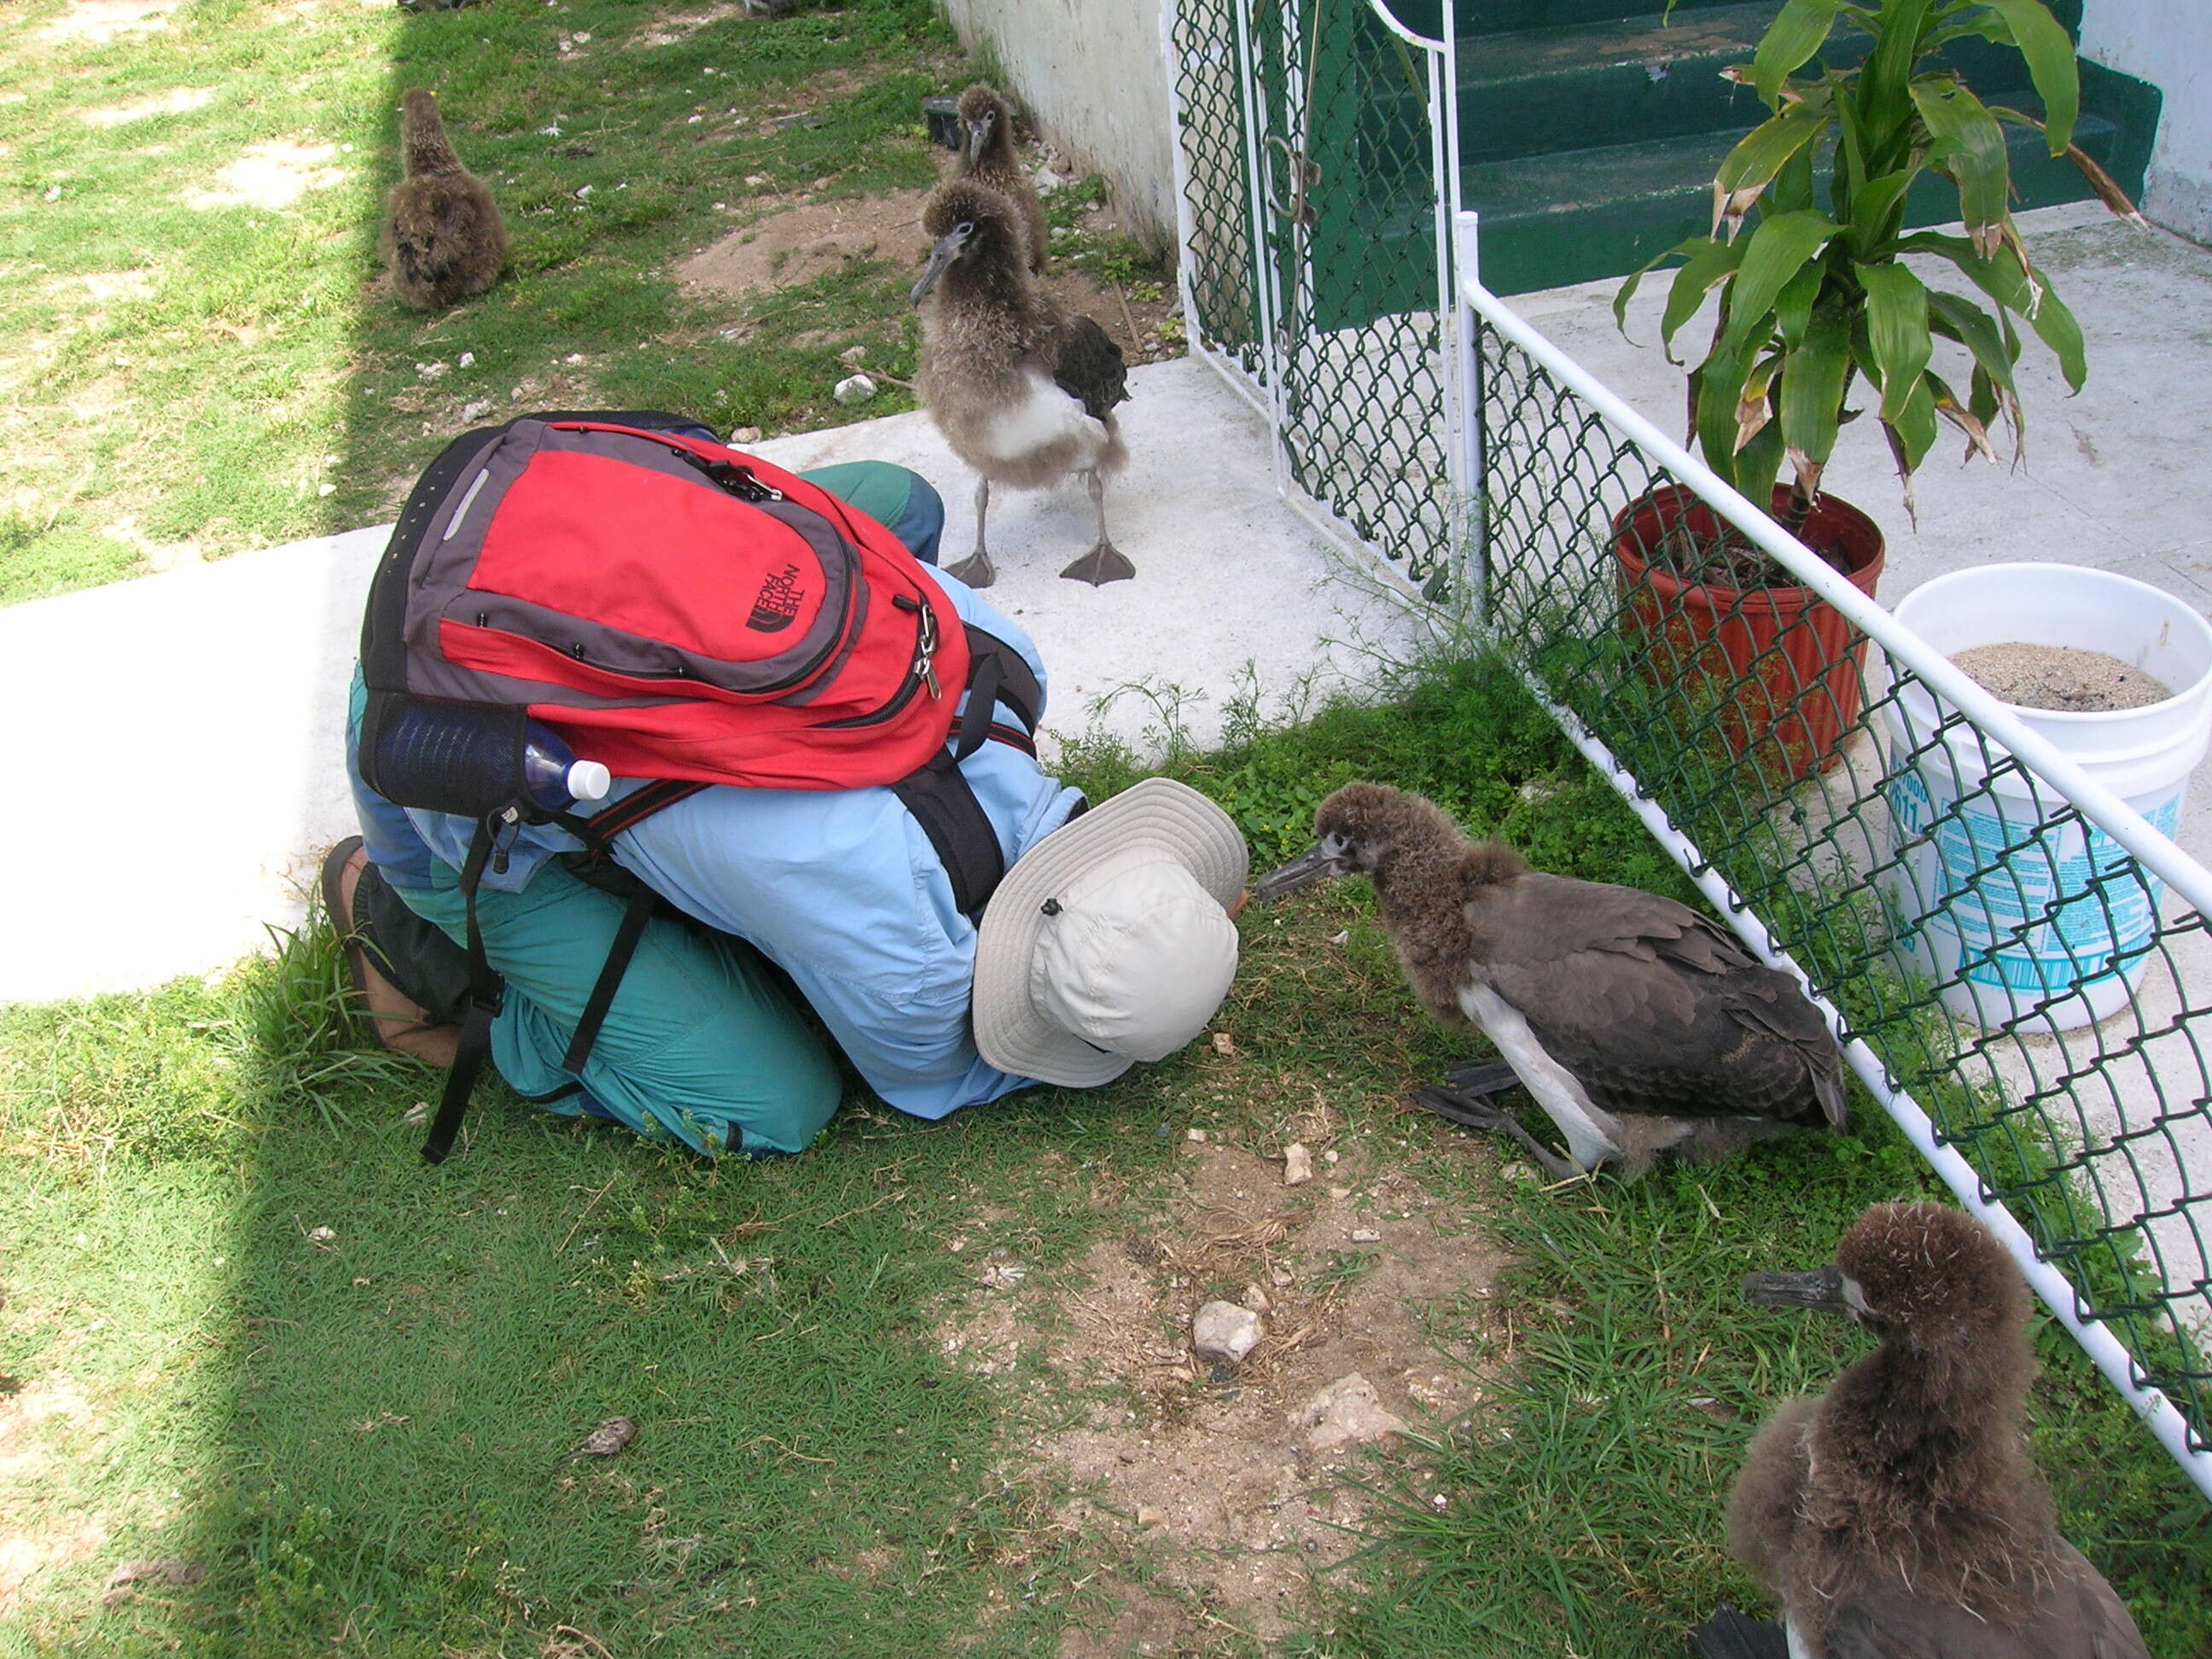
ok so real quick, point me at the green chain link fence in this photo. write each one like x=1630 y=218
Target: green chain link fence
x=1948 y=903
x=1315 y=252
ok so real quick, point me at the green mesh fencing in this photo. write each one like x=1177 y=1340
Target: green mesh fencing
x=1942 y=902
x=1310 y=187
x=1948 y=906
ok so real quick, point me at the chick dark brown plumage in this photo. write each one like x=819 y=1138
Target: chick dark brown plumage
x=987 y=156
x=1638 y=1025
x=1024 y=393
x=443 y=237
x=1896 y=1516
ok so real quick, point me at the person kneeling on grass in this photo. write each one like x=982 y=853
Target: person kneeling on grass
x=1111 y=939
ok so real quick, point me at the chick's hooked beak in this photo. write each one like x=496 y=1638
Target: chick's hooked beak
x=1823 y=1290
x=1326 y=860
x=948 y=249
x=979 y=134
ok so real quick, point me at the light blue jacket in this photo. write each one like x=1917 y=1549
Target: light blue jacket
x=840 y=888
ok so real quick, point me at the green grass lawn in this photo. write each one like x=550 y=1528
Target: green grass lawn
x=361 y=1435
x=196 y=353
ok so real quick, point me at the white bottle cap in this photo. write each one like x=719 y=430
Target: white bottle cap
x=589 y=780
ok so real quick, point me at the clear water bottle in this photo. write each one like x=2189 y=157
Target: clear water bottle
x=449 y=758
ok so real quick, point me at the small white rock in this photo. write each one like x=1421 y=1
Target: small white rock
x=1257 y=1299
x=583 y=193
x=1149 y=1517
x=1340 y=939
x=852 y=354
x=1046 y=181
x=855 y=389
x=430 y=370
x=574 y=357
x=1329 y=1157
x=465 y=359
x=1297 y=1165
x=1347 y=1413
x=755 y=180
x=1281 y=1275
x=1197 y=1135
x=1225 y=1331
x=1365 y=1236
x=746 y=434
x=475 y=411
x=326 y=489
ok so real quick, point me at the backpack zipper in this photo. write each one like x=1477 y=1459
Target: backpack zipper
x=922 y=671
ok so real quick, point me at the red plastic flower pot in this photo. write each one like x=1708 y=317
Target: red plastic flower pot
x=1774 y=671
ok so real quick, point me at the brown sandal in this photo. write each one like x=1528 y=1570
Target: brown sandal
x=398 y=1024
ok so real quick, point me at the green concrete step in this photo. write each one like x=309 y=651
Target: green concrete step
x=1574 y=216
x=1537 y=91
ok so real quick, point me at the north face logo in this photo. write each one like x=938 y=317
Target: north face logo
x=777 y=602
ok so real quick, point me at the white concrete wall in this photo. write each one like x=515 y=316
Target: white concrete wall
x=2167 y=43
x=1089 y=75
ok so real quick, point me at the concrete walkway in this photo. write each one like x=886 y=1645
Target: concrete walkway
x=178 y=738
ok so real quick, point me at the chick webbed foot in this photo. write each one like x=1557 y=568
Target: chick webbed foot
x=976 y=569
x=1102 y=564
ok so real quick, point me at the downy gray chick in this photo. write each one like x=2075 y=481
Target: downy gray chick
x=1022 y=393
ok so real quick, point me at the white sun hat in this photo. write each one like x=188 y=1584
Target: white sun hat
x=1110 y=941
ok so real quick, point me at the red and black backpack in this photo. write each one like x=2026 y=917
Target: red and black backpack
x=682 y=613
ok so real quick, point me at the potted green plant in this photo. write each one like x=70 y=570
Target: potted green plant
x=1818 y=307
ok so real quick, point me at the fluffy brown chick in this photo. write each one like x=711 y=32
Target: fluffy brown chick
x=1898 y=1513
x=443 y=237
x=987 y=156
x=1639 y=1026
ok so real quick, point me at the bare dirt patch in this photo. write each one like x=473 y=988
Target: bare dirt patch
x=98 y=22
x=799 y=244
x=667 y=30
x=1199 y=1479
x=274 y=174
x=176 y=101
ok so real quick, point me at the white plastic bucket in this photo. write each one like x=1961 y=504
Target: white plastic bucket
x=2014 y=926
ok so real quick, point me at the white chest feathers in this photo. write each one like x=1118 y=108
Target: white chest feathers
x=1041 y=418
x=1591 y=1135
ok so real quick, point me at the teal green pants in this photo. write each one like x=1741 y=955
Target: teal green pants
x=703 y=1043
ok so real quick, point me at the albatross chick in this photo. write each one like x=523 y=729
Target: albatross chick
x=442 y=234
x=1024 y=394
x=1898 y=1513
x=1638 y=1025
x=987 y=156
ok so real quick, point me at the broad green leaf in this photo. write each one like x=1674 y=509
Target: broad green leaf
x=1759 y=155
x=1719 y=393
x=2051 y=66
x=1778 y=249
x=1792 y=189
x=1914 y=428
x=2014 y=287
x=1958 y=319
x=1709 y=263
x=1793 y=307
x=1970 y=147
x=1813 y=378
x=1688 y=248
x=1886 y=77
x=1983 y=401
x=1897 y=331
x=1875 y=209
x=1793 y=36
